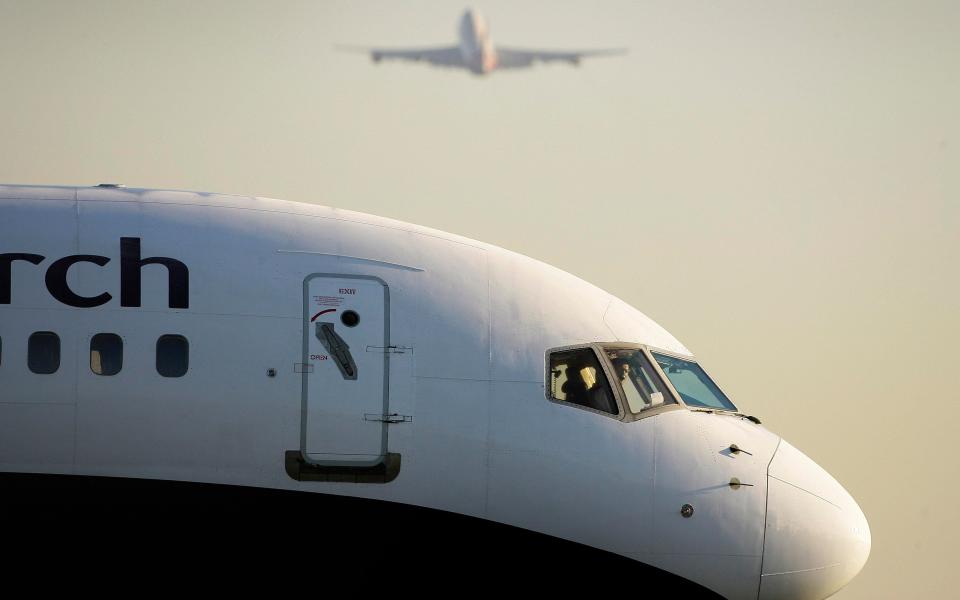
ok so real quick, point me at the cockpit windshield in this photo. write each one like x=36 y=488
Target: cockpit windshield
x=692 y=383
x=641 y=387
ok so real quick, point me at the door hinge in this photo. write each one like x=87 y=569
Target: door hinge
x=393 y=418
x=390 y=349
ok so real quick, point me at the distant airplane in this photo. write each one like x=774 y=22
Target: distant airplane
x=476 y=51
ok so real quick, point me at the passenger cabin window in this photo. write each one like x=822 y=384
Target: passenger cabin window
x=640 y=384
x=576 y=377
x=106 y=354
x=173 y=355
x=692 y=383
x=43 y=352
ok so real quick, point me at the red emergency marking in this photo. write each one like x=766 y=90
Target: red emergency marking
x=322 y=312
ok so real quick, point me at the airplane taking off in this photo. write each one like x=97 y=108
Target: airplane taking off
x=476 y=51
x=191 y=341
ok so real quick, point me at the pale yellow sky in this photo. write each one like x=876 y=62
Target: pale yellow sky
x=776 y=183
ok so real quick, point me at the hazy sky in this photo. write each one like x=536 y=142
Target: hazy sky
x=776 y=183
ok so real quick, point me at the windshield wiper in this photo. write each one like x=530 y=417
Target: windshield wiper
x=725 y=412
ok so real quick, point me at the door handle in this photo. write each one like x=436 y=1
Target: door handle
x=338 y=348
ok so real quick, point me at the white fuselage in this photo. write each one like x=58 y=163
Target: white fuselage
x=448 y=373
x=476 y=47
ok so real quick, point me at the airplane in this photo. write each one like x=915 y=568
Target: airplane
x=476 y=53
x=400 y=386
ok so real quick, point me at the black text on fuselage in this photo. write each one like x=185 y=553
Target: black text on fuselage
x=178 y=277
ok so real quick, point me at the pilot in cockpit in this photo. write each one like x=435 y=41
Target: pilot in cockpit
x=637 y=400
x=575 y=388
x=594 y=393
x=621 y=366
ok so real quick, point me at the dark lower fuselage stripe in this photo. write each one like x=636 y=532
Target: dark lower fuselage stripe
x=138 y=517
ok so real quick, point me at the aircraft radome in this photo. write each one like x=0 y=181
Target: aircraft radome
x=476 y=52
x=396 y=384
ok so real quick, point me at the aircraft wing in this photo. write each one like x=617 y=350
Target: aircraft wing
x=445 y=56
x=517 y=58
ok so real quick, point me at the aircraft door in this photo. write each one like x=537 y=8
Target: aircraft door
x=345 y=370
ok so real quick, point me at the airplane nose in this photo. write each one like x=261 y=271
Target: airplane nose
x=817 y=538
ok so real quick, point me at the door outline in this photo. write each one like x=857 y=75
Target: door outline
x=304 y=402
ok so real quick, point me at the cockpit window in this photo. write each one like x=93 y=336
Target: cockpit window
x=576 y=377
x=692 y=383
x=641 y=387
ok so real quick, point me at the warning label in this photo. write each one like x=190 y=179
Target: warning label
x=327 y=300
